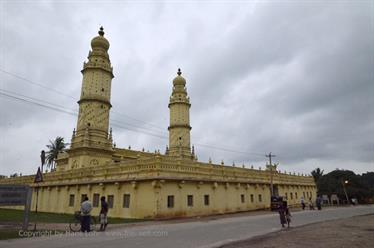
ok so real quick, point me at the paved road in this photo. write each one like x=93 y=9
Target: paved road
x=204 y=233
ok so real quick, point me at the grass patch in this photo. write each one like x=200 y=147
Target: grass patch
x=16 y=216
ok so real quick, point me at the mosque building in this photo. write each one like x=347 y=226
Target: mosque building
x=140 y=184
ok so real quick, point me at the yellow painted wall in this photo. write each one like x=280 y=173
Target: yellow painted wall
x=149 y=179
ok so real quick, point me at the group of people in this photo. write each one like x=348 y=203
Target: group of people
x=86 y=208
x=310 y=203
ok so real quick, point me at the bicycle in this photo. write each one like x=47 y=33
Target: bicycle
x=76 y=223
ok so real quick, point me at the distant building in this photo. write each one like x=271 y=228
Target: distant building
x=140 y=184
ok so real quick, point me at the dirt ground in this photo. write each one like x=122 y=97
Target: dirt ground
x=351 y=232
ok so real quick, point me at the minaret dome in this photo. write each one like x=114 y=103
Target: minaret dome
x=179 y=80
x=99 y=41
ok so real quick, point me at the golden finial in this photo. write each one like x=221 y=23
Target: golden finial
x=101 y=31
x=179 y=72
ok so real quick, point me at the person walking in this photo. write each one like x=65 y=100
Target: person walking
x=282 y=214
x=287 y=214
x=86 y=208
x=302 y=203
x=103 y=214
x=311 y=207
x=319 y=203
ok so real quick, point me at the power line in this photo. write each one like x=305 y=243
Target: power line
x=121 y=114
x=40 y=100
x=63 y=108
x=138 y=120
x=74 y=114
x=60 y=108
x=228 y=150
x=37 y=84
x=38 y=104
x=34 y=99
x=144 y=132
x=112 y=120
x=66 y=95
x=162 y=130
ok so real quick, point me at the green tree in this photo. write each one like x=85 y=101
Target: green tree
x=356 y=186
x=317 y=174
x=368 y=179
x=55 y=147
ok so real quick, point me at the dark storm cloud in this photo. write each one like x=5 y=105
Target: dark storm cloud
x=316 y=105
x=294 y=79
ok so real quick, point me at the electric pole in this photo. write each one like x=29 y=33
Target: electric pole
x=271 y=172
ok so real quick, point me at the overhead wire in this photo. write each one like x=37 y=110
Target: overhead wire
x=72 y=97
x=57 y=107
x=114 y=122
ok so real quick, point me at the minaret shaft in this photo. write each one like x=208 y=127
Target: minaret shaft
x=179 y=128
x=92 y=132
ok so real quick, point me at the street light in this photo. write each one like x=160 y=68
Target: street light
x=345 y=191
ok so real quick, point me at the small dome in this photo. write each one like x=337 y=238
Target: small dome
x=179 y=80
x=100 y=41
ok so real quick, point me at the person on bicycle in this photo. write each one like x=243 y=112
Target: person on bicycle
x=86 y=208
x=103 y=214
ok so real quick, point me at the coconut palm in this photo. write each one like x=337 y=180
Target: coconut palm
x=56 y=146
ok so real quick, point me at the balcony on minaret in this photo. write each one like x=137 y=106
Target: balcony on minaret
x=179 y=99
x=98 y=64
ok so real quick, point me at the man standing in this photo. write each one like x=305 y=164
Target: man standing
x=86 y=208
x=311 y=206
x=282 y=214
x=302 y=203
x=103 y=214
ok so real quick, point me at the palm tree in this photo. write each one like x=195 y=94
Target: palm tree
x=317 y=174
x=55 y=147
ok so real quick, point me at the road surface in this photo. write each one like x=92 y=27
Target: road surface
x=203 y=233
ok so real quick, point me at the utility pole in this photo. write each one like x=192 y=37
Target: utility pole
x=271 y=172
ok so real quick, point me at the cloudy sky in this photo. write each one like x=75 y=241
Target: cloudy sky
x=292 y=78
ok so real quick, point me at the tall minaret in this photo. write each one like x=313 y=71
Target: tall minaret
x=92 y=142
x=179 y=128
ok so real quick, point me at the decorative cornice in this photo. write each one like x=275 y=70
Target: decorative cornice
x=91 y=65
x=179 y=102
x=94 y=99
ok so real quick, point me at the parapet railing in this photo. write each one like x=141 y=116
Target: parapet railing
x=162 y=166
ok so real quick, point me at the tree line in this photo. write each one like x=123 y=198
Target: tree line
x=357 y=186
